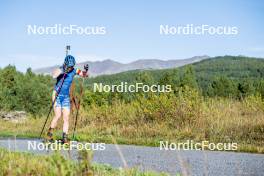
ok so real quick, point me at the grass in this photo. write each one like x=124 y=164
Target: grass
x=15 y=163
x=175 y=118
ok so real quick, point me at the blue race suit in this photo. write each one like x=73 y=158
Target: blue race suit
x=63 y=98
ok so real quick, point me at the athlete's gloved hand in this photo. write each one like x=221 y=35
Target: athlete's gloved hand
x=85 y=72
x=86 y=67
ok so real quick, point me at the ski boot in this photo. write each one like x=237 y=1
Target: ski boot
x=65 y=139
x=50 y=136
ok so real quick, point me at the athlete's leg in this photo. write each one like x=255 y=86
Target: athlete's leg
x=57 y=112
x=57 y=115
x=66 y=115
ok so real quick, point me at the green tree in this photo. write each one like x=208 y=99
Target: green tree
x=223 y=86
x=8 y=82
x=145 y=78
x=188 y=78
x=245 y=88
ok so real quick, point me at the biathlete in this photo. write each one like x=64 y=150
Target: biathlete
x=61 y=92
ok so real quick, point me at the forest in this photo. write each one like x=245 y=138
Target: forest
x=228 y=76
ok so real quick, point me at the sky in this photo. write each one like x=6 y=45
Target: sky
x=132 y=30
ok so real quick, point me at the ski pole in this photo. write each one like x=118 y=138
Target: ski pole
x=86 y=67
x=77 y=113
x=53 y=102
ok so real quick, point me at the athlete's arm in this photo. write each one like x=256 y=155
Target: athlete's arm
x=82 y=73
x=56 y=73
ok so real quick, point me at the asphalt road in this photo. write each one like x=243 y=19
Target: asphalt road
x=152 y=158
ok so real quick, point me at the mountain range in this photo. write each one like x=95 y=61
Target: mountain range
x=107 y=67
